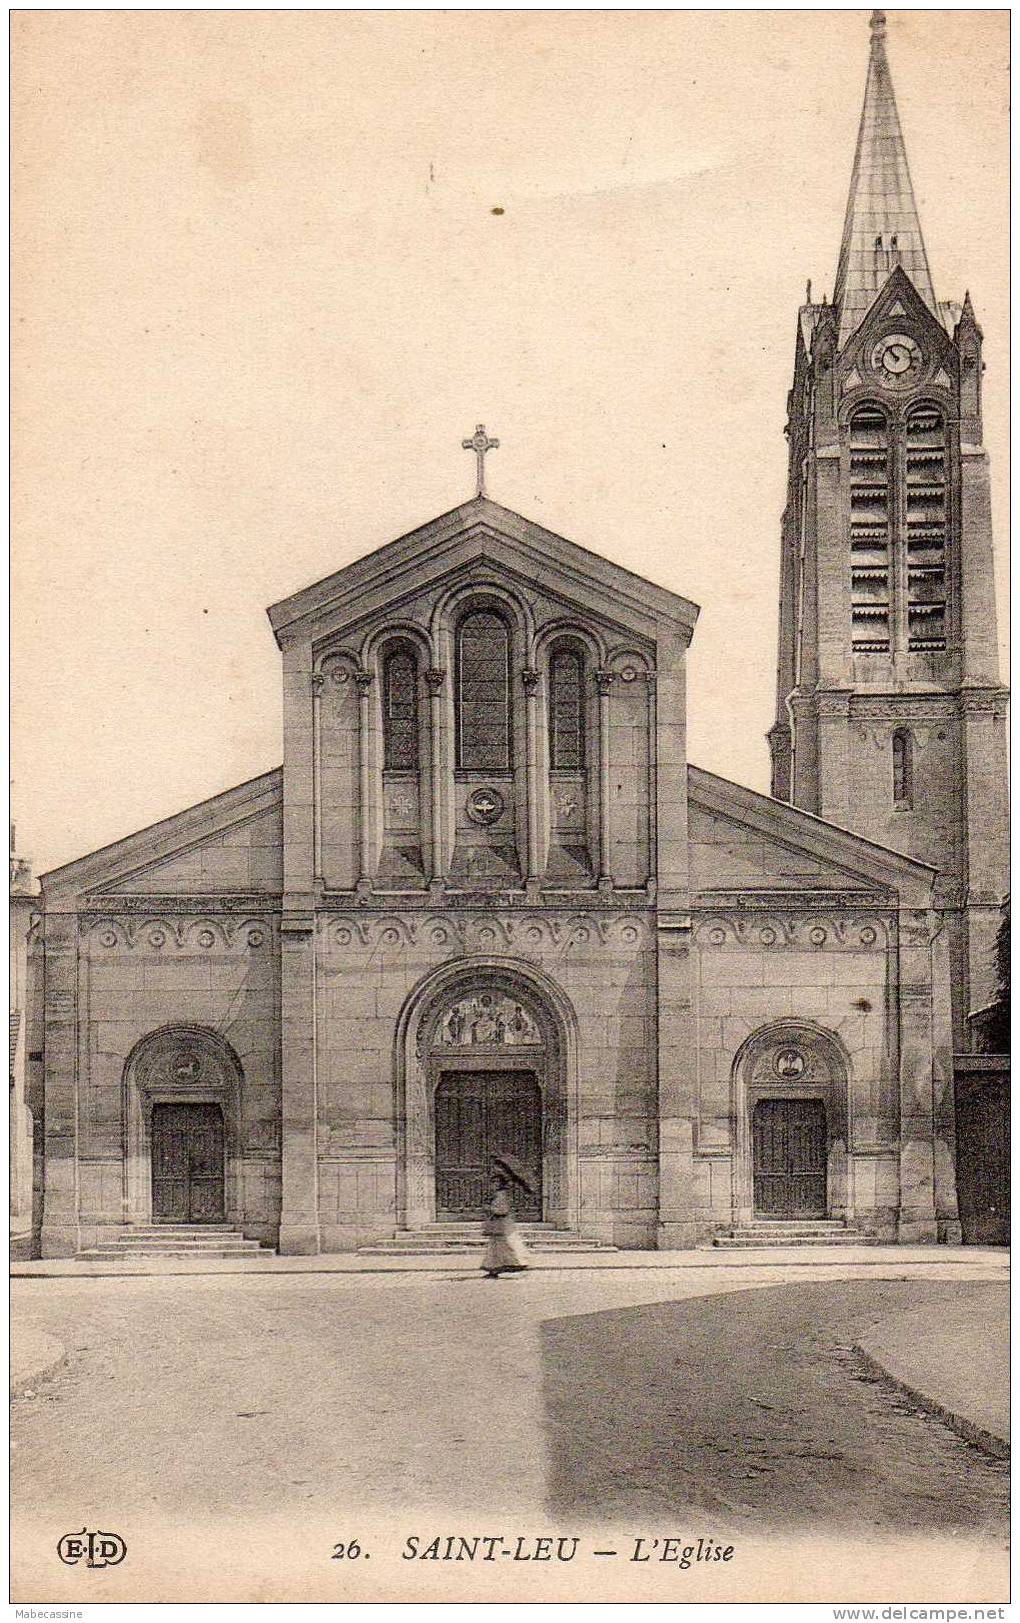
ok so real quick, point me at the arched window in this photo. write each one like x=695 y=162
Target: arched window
x=926 y=528
x=566 y=709
x=400 y=710
x=903 y=770
x=483 y=693
x=869 y=530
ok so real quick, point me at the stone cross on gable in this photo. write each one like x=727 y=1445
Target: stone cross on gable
x=480 y=443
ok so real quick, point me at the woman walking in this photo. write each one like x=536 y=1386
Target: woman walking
x=505 y=1251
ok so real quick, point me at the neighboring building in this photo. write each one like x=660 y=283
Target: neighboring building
x=24 y=902
x=487 y=907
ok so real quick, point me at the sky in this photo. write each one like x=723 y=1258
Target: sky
x=270 y=268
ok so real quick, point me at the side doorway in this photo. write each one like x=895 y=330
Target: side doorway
x=790 y=1149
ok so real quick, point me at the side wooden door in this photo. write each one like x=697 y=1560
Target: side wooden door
x=187 y=1163
x=790 y=1152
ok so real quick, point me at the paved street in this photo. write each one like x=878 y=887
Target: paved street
x=283 y=1414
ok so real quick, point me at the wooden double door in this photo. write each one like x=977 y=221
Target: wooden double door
x=480 y=1117
x=790 y=1140
x=187 y=1163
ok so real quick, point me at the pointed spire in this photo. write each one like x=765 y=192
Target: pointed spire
x=882 y=228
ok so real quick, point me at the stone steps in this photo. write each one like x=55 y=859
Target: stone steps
x=796 y=1232
x=449 y=1239
x=199 y=1240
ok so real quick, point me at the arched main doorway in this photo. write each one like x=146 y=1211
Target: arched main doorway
x=485 y=1082
x=487 y=1058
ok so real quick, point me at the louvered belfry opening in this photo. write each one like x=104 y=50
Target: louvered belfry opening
x=869 y=530
x=925 y=504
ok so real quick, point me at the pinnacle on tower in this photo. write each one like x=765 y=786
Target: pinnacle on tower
x=882 y=228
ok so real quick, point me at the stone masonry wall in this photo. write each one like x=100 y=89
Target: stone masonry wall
x=833 y=973
x=138 y=974
x=368 y=967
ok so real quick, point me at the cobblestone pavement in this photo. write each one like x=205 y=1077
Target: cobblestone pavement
x=444 y=1401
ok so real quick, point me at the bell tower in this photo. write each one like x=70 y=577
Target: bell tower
x=890 y=712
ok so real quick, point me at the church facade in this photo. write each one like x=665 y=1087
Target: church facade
x=488 y=910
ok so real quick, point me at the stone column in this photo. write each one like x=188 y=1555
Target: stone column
x=947 y=1213
x=986 y=810
x=677 y=1229
x=978 y=627
x=677 y=1059
x=435 y=679
x=917 y=1122
x=366 y=855
x=530 y=679
x=604 y=682
x=651 y=679
x=60 y=1236
x=317 y=680
x=299 y=1218
x=834 y=757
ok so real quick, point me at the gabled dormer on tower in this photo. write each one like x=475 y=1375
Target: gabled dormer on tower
x=890 y=713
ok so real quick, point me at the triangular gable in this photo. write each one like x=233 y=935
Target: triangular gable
x=742 y=840
x=912 y=311
x=481 y=529
x=230 y=843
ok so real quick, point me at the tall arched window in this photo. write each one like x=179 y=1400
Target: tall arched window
x=869 y=530
x=566 y=709
x=903 y=770
x=926 y=528
x=483 y=693
x=400 y=710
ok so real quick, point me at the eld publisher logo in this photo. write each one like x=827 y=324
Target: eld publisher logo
x=95 y=1549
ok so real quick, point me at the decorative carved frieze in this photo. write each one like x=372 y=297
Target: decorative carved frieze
x=191 y=905
x=490 y=932
x=159 y=932
x=917 y=929
x=903 y=707
x=556 y=900
x=832 y=706
x=990 y=702
x=853 y=931
x=806 y=900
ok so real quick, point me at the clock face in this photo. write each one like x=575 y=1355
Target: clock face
x=897 y=358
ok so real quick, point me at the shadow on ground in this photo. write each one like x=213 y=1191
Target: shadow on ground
x=753 y=1409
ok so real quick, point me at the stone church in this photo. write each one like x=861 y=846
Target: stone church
x=487 y=909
